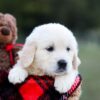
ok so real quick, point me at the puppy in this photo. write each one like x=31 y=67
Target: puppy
x=51 y=49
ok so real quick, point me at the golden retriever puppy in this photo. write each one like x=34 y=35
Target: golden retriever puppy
x=51 y=49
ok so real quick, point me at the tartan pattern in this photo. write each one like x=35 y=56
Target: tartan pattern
x=35 y=86
x=41 y=88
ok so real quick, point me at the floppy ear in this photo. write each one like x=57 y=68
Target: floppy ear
x=10 y=17
x=26 y=55
x=76 y=61
x=12 y=24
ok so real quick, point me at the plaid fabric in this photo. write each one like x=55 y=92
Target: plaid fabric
x=8 y=56
x=41 y=88
x=35 y=86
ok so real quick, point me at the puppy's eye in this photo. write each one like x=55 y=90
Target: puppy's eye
x=51 y=48
x=68 y=48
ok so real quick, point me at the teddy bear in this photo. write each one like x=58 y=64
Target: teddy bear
x=8 y=56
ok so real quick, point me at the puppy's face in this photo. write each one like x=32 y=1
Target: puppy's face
x=55 y=50
x=54 y=56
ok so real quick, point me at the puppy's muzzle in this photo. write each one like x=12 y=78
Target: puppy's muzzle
x=62 y=64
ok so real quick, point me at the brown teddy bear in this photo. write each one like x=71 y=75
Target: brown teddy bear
x=8 y=55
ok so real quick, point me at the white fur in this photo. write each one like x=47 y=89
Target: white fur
x=20 y=74
x=64 y=83
x=35 y=59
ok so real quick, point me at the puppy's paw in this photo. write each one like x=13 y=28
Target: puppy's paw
x=17 y=75
x=63 y=83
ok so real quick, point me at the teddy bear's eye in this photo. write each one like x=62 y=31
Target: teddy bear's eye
x=51 y=48
x=68 y=49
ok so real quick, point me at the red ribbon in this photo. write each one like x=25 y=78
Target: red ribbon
x=9 y=48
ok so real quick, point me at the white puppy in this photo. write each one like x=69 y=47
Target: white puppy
x=51 y=49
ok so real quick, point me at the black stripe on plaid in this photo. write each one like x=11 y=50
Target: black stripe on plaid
x=37 y=79
x=48 y=80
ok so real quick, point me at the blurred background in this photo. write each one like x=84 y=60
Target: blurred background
x=81 y=16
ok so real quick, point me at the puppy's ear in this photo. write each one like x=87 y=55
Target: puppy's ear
x=26 y=55
x=76 y=61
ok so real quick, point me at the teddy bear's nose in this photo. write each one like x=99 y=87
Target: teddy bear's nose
x=5 y=31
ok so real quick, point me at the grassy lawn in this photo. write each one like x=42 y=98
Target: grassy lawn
x=90 y=70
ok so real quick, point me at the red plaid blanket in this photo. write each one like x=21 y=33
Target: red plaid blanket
x=41 y=88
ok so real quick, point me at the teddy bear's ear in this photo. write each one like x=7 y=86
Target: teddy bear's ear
x=13 y=25
x=10 y=17
x=1 y=18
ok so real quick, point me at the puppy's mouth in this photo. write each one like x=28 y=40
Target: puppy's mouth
x=60 y=72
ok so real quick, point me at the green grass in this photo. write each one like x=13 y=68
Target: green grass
x=90 y=70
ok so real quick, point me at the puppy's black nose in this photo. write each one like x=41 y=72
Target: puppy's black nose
x=5 y=31
x=62 y=64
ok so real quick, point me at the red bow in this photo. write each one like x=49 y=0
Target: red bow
x=9 y=48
